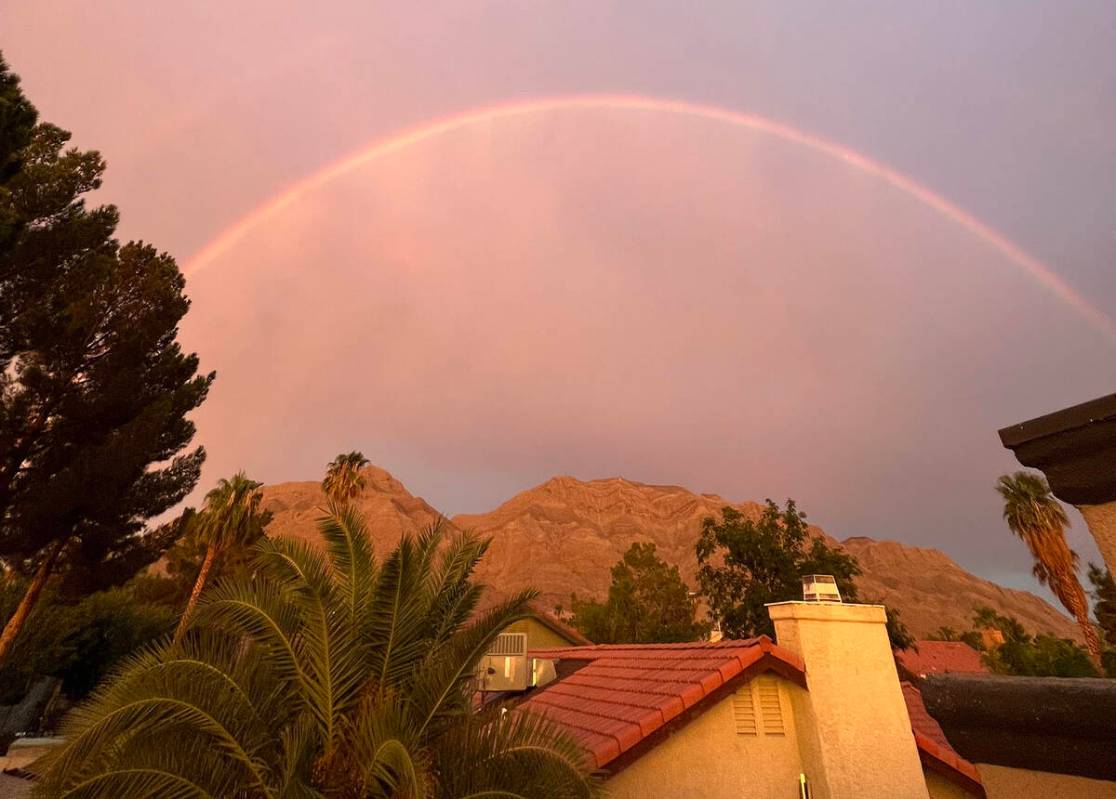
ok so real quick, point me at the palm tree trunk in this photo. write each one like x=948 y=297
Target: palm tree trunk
x=199 y=584
x=30 y=597
x=1080 y=611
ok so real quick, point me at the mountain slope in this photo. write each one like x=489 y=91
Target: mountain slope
x=388 y=506
x=563 y=536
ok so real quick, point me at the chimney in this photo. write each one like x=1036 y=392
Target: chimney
x=854 y=730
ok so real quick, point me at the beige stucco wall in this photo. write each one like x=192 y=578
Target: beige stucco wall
x=539 y=636
x=853 y=725
x=1001 y=782
x=1102 y=524
x=941 y=788
x=707 y=758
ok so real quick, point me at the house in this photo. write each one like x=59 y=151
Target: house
x=820 y=714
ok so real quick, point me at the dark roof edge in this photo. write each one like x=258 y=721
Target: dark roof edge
x=1052 y=724
x=1060 y=421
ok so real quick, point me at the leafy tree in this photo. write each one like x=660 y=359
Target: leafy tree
x=231 y=520
x=343 y=480
x=743 y=564
x=970 y=637
x=77 y=642
x=329 y=674
x=944 y=634
x=1033 y=514
x=94 y=387
x=897 y=632
x=647 y=603
x=1030 y=656
x=1104 y=596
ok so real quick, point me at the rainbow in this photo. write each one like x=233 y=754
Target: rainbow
x=1039 y=272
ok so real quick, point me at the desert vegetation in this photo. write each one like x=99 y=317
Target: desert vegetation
x=329 y=672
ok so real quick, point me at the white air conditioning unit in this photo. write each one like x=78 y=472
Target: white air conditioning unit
x=820 y=588
x=504 y=667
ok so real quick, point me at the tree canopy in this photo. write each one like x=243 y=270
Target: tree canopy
x=343 y=480
x=745 y=563
x=94 y=387
x=647 y=603
x=1104 y=596
x=1021 y=653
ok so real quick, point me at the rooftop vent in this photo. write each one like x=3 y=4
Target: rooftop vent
x=820 y=588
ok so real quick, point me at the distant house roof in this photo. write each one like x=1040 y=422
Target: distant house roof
x=624 y=693
x=939 y=657
x=933 y=747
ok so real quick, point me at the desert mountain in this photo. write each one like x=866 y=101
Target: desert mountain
x=563 y=536
x=388 y=507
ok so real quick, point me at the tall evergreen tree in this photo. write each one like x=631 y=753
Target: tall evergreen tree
x=647 y=603
x=94 y=387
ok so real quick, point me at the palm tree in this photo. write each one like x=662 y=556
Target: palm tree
x=231 y=518
x=343 y=479
x=1033 y=514
x=326 y=675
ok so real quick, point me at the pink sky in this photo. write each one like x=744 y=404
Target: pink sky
x=607 y=292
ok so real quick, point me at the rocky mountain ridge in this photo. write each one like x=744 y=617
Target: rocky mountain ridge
x=564 y=535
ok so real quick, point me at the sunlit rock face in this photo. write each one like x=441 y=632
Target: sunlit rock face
x=564 y=535
x=388 y=508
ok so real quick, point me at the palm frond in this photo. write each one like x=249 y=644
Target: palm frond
x=397 y=634
x=440 y=687
x=513 y=754
x=351 y=557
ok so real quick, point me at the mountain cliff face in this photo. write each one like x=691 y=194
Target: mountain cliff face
x=388 y=507
x=563 y=536
x=932 y=591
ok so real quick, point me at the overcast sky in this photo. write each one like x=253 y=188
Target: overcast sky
x=604 y=291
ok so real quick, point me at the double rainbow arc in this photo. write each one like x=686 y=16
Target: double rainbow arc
x=1038 y=271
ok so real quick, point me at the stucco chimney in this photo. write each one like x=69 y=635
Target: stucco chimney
x=854 y=730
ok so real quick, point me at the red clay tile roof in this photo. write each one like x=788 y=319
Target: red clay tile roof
x=933 y=747
x=939 y=657
x=627 y=691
